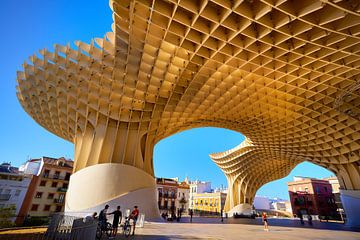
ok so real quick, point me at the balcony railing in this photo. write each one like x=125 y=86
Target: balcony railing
x=5 y=197
x=55 y=176
x=59 y=201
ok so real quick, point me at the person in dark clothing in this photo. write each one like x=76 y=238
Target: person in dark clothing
x=191 y=215
x=178 y=215
x=117 y=220
x=102 y=216
x=301 y=218
x=309 y=217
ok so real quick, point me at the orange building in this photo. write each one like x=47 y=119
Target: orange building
x=167 y=193
x=47 y=190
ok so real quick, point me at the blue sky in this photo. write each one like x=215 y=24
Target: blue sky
x=31 y=25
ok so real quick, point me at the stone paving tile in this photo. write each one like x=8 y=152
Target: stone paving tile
x=213 y=230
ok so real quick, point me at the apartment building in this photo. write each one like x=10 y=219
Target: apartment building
x=312 y=196
x=47 y=190
x=208 y=202
x=183 y=198
x=13 y=187
x=198 y=187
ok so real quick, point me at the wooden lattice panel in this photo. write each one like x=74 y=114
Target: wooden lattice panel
x=284 y=73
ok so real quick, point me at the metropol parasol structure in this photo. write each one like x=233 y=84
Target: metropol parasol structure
x=286 y=74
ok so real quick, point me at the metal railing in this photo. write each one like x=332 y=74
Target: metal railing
x=56 y=177
x=61 y=227
x=66 y=227
x=60 y=201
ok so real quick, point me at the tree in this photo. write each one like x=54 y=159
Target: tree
x=5 y=216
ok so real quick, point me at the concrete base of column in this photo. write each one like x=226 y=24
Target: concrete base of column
x=244 y=209
x=351 y=203
x=91 y=188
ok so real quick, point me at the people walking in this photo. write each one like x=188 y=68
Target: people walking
x=178 y=215
x=222 y=215
x=191 y=215
x=117 y=220
x=134 y=216
x=309 y=217
x=265 y=220
x=301 y=218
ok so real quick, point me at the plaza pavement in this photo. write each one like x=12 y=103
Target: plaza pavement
x=213 y=229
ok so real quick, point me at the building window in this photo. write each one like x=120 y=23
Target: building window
x=65 y=185
x=51 y=196
x=58 y=208
x=306 y=189
x=67 y=176
x=47 y=208
x=17 y=193
x=57 y=175
x=43 y=183
x=325 y=188
x=38 y=195
x=34 y=207
x=46 y=173
x=54 y=184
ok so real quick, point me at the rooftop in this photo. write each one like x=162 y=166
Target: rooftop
x=7 y=168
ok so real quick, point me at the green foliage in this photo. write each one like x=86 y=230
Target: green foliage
x=182 y=201
x=5 y=216
x=36 y=221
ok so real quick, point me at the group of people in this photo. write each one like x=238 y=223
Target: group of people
x=172 y=216
x=116 y=220
x=301 y=217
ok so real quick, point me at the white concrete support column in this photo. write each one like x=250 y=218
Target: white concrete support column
x=236 y=198
x=351 y=203
x=115 y=184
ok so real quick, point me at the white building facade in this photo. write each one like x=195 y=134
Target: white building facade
x=13 y=187
x=183 y=198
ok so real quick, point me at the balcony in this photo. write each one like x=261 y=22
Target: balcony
x=62 y=189
x=59 y=201
x=55 y=176
x=5 y=197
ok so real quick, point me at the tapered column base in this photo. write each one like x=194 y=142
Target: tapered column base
x=242 y=209
x=93 y=187
x=351 y=203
